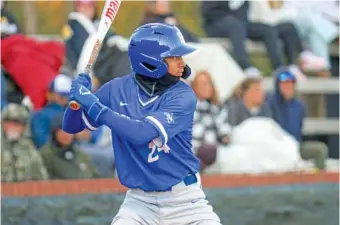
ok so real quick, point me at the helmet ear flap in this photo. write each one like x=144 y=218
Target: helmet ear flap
x=187 y=72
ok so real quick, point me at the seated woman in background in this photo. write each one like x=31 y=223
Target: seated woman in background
x=209 y=129
x=248 y=100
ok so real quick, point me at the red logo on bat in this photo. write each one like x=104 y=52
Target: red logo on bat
x=112 y=10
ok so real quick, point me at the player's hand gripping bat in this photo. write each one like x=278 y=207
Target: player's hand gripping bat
x=108 y=15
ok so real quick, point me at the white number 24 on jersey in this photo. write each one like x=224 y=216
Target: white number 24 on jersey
x=153 y=155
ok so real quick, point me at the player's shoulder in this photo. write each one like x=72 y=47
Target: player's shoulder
x=125 y=79
x=119 y=82
x=183 y=89
x=182 y=95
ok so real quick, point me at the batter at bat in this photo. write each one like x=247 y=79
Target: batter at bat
x=150 y=113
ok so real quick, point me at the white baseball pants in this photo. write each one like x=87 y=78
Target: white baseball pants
x=183 y=205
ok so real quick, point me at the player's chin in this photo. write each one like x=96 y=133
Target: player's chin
x=179 y=74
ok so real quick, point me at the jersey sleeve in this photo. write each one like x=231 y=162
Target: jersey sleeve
x=174 y=117
x=103 y=93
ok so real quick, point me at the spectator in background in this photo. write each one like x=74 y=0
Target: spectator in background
x=20 y=160
x=209 y=128
x=250 y=102
x=79 y=35
x=278 y=14
x=9 y=24
x=99 y=150
x=3 y=91
x=62 y=159
x=80 y=25
x=318 y=25
x=57 y=100
x=230 y=19
x=289 y=112
x=159 y=11
x=272 y=13
x=211 y=57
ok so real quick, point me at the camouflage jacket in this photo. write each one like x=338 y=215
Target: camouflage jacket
x=21 y=161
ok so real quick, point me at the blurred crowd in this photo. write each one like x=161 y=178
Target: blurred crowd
x=238 y=127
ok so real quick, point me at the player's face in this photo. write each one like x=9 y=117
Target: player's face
x=175 y=66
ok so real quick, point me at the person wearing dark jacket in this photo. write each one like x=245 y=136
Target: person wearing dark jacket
x=289 y=113
x=9 y=24
x=57 y=100
x=79 y=26
x=230 y=19
x=79 y=35
x=62 y=159
x=159 y=11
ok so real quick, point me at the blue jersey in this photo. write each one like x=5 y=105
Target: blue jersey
x=147 y=166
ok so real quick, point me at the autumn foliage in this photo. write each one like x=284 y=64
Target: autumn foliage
x=52 y=15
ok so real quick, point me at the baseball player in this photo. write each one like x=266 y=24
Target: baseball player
x=150 y=113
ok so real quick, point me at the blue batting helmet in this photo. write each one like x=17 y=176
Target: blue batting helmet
x=153 y=42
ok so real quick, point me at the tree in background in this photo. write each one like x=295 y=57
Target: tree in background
x=48 y=17
x=30 y=17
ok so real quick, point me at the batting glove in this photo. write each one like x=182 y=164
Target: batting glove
x=85 y=80
x=88 y=101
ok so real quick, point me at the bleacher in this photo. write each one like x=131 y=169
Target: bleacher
x=315 y=126
x=323 y=86
x=256 y=47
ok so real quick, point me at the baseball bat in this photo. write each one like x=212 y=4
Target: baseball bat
x=109 y=13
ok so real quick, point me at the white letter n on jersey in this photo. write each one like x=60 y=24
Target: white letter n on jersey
x=153 y=155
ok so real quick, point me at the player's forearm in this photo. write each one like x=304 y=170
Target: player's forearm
x=136 y=131
x=72 y=121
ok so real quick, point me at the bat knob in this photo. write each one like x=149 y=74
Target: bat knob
x=74 y=105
